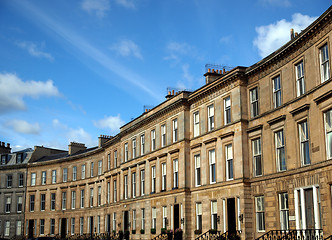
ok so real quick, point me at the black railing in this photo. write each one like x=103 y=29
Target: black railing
x=211 y=234
x=306 y=234
x=230 y=235
x=328 y=238
x=161 y=236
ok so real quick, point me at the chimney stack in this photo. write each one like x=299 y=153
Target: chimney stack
x=212 y=75
x=292 y=34
x=74 y=147
x=4 y=148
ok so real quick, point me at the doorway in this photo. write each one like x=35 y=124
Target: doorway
x=91 y=225
x=309 y=208
x=176 y=216
x=63 y=229
x=126 y=221
x=30 y=230
x=231 y=219
x=108 y=223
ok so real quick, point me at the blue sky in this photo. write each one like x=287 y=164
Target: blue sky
x=72 y=70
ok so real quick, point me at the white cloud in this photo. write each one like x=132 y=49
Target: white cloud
x=126 y=3
x=111 y=122
x=34 y=50
x=270 y=37
x=13 y=90
x=21 y=126
x=99 y=7
x=180 y=48
x=127 y=48
x=80 y=135
x=226 y=39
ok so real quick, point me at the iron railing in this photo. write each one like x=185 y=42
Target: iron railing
x=328 y=238
x=230 y=235
x=161 y=236
x=305 y=234
x=209 y=235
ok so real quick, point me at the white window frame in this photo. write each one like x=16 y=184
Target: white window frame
x=164 y=208
x=153 y=140
x=163 y=176
x=108 y=161
x=133 y=182
x=74 y=173
x=19 y=204
x=254 y=102
x=154 y=217
x=229 y=162
x=300 y=84
x=199 y=220
x=53 y=202
x=280 y=150
x=43 y=178
x=196 y=124
x=7 y=228
x=328 y=133
x=115 y=160
x=64 y=174
x=324 y=62
x=175 y=130
x=134 y=219
x=227 y=110
x=134 y=148
x=18 y=227
x=72 y=226
x=92 y=166
x=42 y=202
x=284 y=211
x=163 y=135
x=212 y=164
x=64 y=200
x=115 y=194
x=125 y=183
x=100 y=167
x=143 y=218
x=82 y=198
x=73 y=199
x=142 y=144
x=8 y=205
x=33 y=179
x=126 y=154
x=142 y=174
x=257 y=156
x=277 y=95
x=197 y=159
x=304 y=143
x=260 y=213
x=214 y=214
x=83 y=171
x=153 y=179
x=176 y=173
x=91 y=197
x=210 y=110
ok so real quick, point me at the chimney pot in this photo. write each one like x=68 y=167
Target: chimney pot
x=169 y=92
x=209 y=70
x=173 y=92
x=2 y=144
x=8 y=145
x=296 y=34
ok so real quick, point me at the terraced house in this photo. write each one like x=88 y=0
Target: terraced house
x=248 y=152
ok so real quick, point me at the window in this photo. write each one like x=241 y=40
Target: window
x=283 y=205
x=20 y=180
x=4 y=159
x=304 y=143
x=52 y=201
x=328 y=133
x=114 y=222
x=280 y=150
x=100 y=167
x=153 y=140
x=212 y=161
x=257 y=156
x=73 y=199
x=143 y=218
x=8 y=204
x=196 y=124
x=142 y=144
x=199 y=216
x=52 y=226
x=214 y=215
x=19 y=157
x=126 y=152
x=53 y=176
x=114 y=191
x=32 y=203
x=72 y=227
x=153 y=179
x=43 y=180
x=108 y=161
x=64 y=200
x=300 y=87
x=260 y=215
x=276 y=91
x=229 y=161
x=42 y=202
x=81 y=225
x=163 y=177
x=197 y=159
x=254 y=110
x=42 y=226
x=19 y=203
x=9 y=181
x=108 y=192
x=91 y=197
x=82 y=198
x=133 y=185
x=18 y=228
x=175 y=130
x=115 y=160
x=98 y=224
x=210 y=118
x=175 y=173
x=7 y=228
x=134 y=147
x=91 y=169
x=83 y=171
x=227 y=110
x=74 y=173
x=324 y=63
x=142 y=182
x=134 y=219
x=33 y=179
x=65 y=175
x=154 y=217
x=164 y=217
x=125 y=186
x=163 y=135
x=99 y=195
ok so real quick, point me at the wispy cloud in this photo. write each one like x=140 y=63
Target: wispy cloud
x=98 y=7
x=97 y=55
x=126 y=3
x=112 y=123
x=226 y=39
x=13 y=90
x=270 y=37
x=35 y=50
x=177 y=50
x=22 y=126
x=127 y=48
